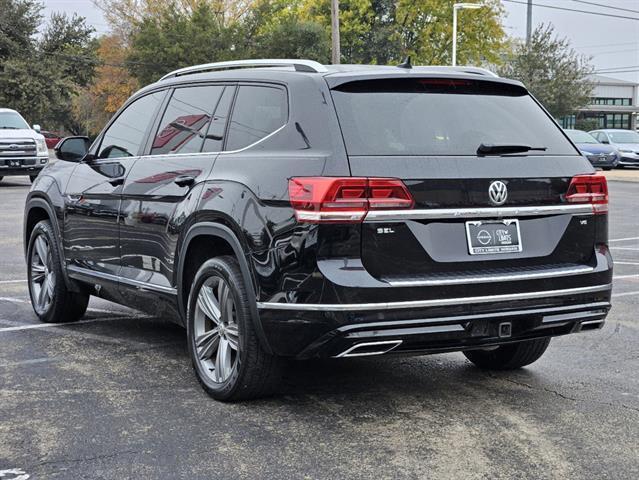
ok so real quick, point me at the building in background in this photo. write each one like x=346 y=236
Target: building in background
x=613 y=105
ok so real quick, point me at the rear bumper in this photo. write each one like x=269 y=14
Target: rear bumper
x=430 y=326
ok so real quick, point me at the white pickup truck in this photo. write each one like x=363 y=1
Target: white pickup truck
x=23 y=150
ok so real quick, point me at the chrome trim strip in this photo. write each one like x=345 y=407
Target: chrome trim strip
x=214 y=155
x=440 y=302
x=118 y=279
x=508 y=277
x=375 y=216
x=392 y=344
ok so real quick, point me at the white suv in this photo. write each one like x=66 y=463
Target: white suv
x=23 y=150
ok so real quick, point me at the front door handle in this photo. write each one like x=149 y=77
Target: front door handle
x=116 y=181
x=184 y=180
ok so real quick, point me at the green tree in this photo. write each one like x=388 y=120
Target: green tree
x=19 y=21
x=40 y=77
x=553 y=72
x=176 y=39
x=70 y=40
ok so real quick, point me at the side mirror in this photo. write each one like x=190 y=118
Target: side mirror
x=36 y=127
x=72 y=149
x=605 y=140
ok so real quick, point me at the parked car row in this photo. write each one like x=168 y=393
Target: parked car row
x=607 y=148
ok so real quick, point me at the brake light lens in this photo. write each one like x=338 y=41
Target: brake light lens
x=345 y=200
x=591 y=189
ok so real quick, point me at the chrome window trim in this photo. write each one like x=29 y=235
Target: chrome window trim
x=508 y=277
x=213 y=154
x=376 y=216
x=119 y=279
x=339 y=307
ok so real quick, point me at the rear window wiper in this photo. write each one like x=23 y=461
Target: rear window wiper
x=500 y=148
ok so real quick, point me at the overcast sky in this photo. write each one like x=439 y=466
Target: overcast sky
x=613 y=42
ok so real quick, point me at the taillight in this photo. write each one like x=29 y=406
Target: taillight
x=591 y=189
x=345 y=200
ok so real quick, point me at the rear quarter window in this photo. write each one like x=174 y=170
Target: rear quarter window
x=441 y=117
x=258 y=112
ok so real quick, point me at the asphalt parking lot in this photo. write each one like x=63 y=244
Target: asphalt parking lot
x=114 y=397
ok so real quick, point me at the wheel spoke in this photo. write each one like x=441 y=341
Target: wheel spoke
x=208 y=304
x=207 y=344
x=37 y=273
x=42 y=249
x=42 y=294
x=223 y=361
x=222 y=296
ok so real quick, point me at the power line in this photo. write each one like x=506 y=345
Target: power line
x=636 y=19
x=608 y=45
x=606 y=6
x=608 y=52
x=618 y=68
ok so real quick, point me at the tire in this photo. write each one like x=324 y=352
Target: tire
x=32 y=178
x=607 y=169
x=1 y=178
x=230 y=365
x=56 y=304
x=510 y=356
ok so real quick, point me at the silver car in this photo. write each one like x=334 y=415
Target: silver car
x=625 y=141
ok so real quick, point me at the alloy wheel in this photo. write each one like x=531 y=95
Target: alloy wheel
x=215 y=329
x=42 y=274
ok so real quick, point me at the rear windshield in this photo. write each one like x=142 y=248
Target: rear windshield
x=442 y=117
x=579 y=136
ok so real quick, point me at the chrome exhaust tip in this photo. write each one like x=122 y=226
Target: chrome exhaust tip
x=370 y=348
x=591 y=325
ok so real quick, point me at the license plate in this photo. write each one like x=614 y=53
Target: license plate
x=493 y=236
x=15 y=163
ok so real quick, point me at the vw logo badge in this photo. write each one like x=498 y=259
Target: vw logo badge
x=498 y=193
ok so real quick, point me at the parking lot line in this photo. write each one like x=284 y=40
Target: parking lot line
x=626 y=263
x=623 y=239
x=48 y=325
x=12 y=281
x=625 y=248
x=622 y=277
x=625 y=294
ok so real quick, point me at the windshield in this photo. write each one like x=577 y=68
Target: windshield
x=11 y=120
x=434 y=116
x=579 y=136
x=624 y=137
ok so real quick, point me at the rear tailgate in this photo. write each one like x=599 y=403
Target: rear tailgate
x=426 y=132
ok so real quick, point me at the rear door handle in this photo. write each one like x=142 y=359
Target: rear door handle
x=184 y=180
x=116 y=181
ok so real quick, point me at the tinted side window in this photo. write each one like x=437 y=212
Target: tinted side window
x=258 y=111
x=125 y=135
x=186 y=120
x=215 y=135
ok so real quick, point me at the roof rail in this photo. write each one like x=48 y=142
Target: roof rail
x=299 y=65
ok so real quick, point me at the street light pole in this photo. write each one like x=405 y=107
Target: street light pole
x=459 y=6
x=336 y=54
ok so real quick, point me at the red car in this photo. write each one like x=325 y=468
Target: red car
x=52 y=139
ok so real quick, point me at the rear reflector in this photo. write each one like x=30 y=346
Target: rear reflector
x=591 y=189
x=345 y=200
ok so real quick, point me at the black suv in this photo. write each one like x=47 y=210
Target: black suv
x=283 y=208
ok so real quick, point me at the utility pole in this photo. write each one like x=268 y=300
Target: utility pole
x=335 y=32
x=529 y=22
